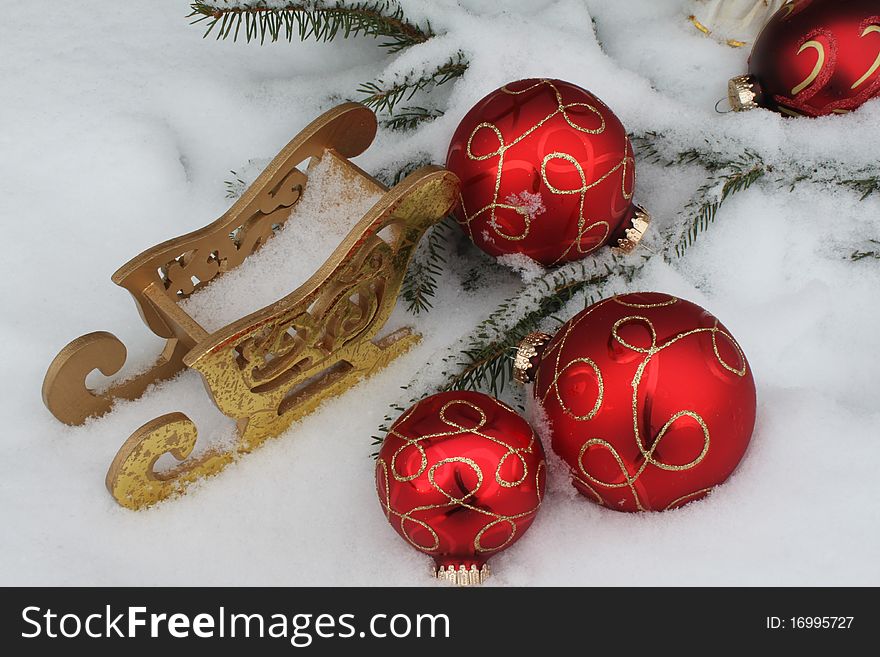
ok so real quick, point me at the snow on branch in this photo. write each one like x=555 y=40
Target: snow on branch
x=310 y=19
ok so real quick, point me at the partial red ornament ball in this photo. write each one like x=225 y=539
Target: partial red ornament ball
x=546 y=170
x=813 y=58
x=649 y=400
x=460 y=477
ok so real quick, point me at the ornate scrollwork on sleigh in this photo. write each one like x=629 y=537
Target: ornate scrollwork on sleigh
x=276 y=365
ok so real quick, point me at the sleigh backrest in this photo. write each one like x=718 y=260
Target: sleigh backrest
x=185 y=264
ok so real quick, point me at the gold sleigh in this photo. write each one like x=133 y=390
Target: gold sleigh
x=274 y=366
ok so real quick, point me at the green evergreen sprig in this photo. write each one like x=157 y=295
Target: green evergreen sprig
x=311 y=19
x=235 y=187
x=862 y=255
x=866 y=186
x=729 y=176
x=426 y=267
x=377 y=439
x=703 y=208
x=411 y=117
x=390 y=176
x=726 y=177
x=384 y=97
x=324 y=20
x=485 y=362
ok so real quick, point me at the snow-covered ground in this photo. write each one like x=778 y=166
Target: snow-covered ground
x=117 y=130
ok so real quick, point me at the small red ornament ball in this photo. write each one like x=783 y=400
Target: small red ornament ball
x=650 y=401
x=460 y=477
x=818 y=57
x=546 y=171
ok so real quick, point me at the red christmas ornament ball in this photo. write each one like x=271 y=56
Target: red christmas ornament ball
x=814 y=57
x=546 y=171
x=460 y=477
x=649 y=399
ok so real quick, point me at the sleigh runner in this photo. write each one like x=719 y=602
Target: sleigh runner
x=272 y=367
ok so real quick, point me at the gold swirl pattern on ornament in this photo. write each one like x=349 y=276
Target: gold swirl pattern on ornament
x=585 y=478
x=596 y=497
x=868 y=30
x=559 y=371
x=554 y=386
x=584 y=227
x=453 y=500
x=680 y=501
x=659 y=304
x=790 y=112
x=820 y=62
x=456 y=459
x=826 y=59
x=386 y=504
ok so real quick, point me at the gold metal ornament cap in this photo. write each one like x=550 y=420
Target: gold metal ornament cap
x=641 y=220
x=524 y=363
x=463 y=576
x=742 y=92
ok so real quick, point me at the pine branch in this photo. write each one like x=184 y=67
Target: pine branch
x=731 y=176
x=726 y=178
x=472 y=280
x=704 y=208
x=864 y=180
x=311 y=19
x=648 y=147
x=389 y=176
x=425 y=269
x=324 y=21
x=387 y=421
x=410 y=118
x=235 y=187
x=485 y=362
x=864 y=186
x=862 y=255
x=384 y=97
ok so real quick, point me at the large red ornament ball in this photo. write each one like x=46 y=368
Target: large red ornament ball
x=460 y=477
x=546 y=171
x=814 y=57
x=650 y=401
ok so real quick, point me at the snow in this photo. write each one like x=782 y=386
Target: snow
x=532 y=204
x=118 y=130
x=527 y=268
x=332 y=201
